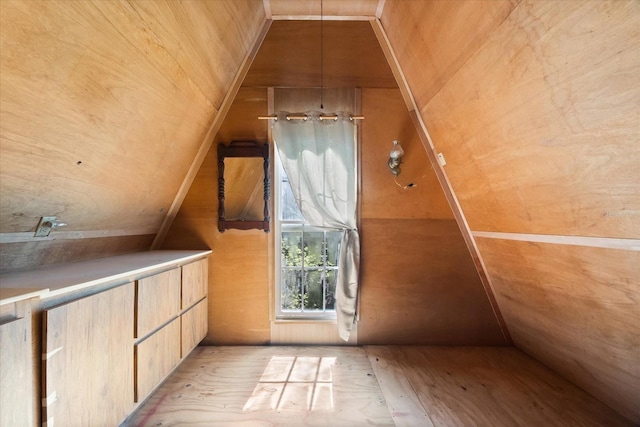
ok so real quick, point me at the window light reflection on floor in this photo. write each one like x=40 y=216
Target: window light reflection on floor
x=291 y=383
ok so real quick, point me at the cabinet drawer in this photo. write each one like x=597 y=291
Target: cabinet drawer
x=155 y=357
x=157 y=301
x=194 y=282
x=194 y=327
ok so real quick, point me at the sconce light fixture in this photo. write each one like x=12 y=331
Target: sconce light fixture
x=395 y=158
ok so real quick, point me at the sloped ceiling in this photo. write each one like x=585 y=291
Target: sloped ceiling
x=104 y=106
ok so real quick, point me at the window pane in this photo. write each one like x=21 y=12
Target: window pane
x=330 y=283
x=289 y=207
x=313 y=242
x=292 y=297
x=314 y=290
x=291 y=251
x=333 y=246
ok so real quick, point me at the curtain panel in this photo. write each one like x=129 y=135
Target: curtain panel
x=319 y=158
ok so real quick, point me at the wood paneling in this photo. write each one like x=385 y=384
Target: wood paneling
x=290 y=56
x=105 y=104
x=419 y=286
x=239 y=289
x=309 y=333
x=157 y=300
x=155 y=358
x=194 y=282
x=238 y=268
x=540 y=125
x=329 y=7
x=387 y=119
x=433 y=39
x=16 y=256
x=576 y=309
x=18 y=395
x=88 y=359
x=487 y=387
x=194 y=327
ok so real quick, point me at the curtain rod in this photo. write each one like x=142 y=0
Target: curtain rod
x=305 y=117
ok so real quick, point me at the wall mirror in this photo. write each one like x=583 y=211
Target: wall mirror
x=243 y=186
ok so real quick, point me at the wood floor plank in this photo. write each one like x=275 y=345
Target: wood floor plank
x=401 y=398
x=242 y=386
x=374 y=385
x=498 y=386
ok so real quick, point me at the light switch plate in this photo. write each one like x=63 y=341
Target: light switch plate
x=441 y=159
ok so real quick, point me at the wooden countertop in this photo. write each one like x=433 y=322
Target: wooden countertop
x=60 y=279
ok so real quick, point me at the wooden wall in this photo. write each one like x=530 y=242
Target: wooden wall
x=535 y=107
x=104 y=106
x=238 y=267
x=419 y=284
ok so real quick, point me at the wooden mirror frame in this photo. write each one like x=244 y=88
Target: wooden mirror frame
x=243 y=149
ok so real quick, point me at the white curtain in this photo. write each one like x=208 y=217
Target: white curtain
x=318 y=157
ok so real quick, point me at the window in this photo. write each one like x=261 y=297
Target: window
x=306 y=261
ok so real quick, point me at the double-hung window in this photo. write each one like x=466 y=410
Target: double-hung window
x=306 y=259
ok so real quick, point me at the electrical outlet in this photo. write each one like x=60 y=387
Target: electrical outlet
x=45 y=226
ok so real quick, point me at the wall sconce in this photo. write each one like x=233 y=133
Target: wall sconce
x=395 y=158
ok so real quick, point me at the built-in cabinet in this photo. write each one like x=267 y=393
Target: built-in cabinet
x=171 y=319
x=87 y=358
x=106 y=343
x=16 y=365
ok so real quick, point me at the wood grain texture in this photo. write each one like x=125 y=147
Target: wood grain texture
x=88 y=359
x=352 y=56
x=21 y=256
x=309 y=333
x=157 y=300
x=576 y=309
x=18 y=395
x=194 y=282
x=540 y=125
x=329 y=7
x=269 y=386
x=419 y=286
x=404 y=405
x=495 y=386
x=155 y=358
x=91 y=88
x=387 y=119
x=433 y=39
x=193 y=324
x=454 y=386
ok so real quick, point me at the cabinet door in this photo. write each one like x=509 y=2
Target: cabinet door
x=194 y=282
x=17 y=391
x=156 y=357
x=88 y=362
x=194 y=327
x=157 y=300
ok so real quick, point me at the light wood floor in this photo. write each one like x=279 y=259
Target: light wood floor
x=352 y=386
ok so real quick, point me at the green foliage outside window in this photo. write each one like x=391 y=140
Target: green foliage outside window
x=308 y=273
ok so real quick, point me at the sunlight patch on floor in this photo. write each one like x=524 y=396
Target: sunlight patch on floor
x=291 y=383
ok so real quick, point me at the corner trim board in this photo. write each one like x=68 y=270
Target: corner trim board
x=596 y=242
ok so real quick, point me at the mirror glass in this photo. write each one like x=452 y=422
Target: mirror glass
x=244 y=188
